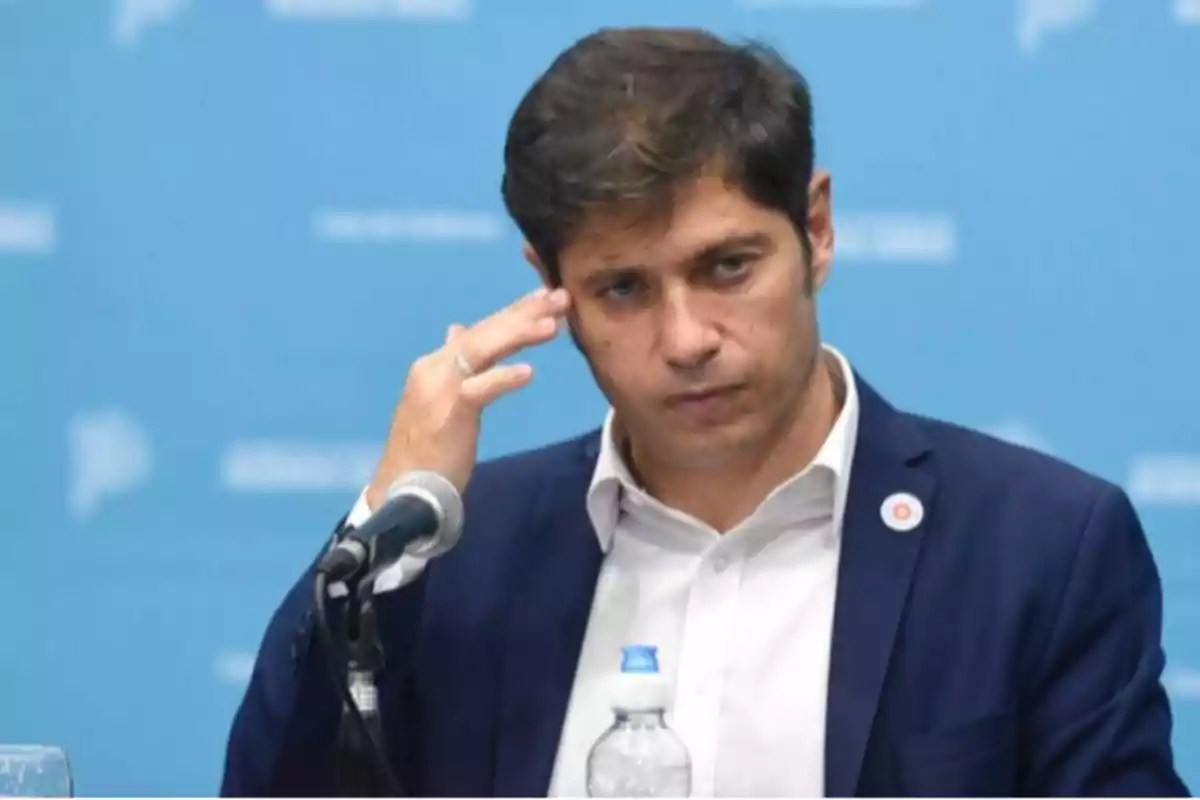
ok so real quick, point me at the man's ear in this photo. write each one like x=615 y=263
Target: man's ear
x=820 y=228
x=534 y=261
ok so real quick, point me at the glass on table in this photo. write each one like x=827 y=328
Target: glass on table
x=30 y=770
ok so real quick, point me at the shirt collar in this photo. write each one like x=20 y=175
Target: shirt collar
x=612 y=477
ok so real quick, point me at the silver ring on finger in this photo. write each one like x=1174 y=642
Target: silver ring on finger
x=464 y=366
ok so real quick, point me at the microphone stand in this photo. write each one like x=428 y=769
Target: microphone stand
x=358 y=775
x=425 y=504
x=358 y=770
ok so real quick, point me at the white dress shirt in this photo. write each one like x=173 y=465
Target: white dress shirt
x=743 y=621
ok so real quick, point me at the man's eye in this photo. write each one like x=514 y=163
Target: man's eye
x=732 y=266
x=621 y=288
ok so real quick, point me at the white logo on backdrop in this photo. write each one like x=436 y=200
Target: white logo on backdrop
x=293 y=466
x=1187 y=12
x=27 y=229
x=1168 y=479
x=134 y=17
x=1038 y=18
x=1182 y=683
x=1019 y=433
x=896 y=236
x=833 y=5
x=110 y=455
x=431 y=10
x=383 y=226
x=233 y=667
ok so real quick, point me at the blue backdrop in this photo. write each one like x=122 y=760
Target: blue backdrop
x=226 y=228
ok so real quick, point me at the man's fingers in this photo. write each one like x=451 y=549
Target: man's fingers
x=532 y=304
x=531 y=320
x=482 y=389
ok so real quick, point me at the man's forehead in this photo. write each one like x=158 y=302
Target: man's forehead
x=693 y=223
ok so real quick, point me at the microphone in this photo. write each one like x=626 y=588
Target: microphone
x=422 y=517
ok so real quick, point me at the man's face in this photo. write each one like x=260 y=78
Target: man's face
x=701 y=329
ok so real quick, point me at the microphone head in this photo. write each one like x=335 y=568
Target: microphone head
x=447 y=503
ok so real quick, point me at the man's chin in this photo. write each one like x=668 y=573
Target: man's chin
x=702 y=450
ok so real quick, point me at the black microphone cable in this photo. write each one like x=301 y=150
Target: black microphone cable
x=337 y=661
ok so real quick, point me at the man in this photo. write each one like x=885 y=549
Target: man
x=847 y=599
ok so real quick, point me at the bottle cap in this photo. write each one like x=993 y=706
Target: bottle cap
x=640 y=658
x=640 y=686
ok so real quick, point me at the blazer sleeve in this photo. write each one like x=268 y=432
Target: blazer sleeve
x=1101 y=721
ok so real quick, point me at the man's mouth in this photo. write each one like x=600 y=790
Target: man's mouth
x=709 y=397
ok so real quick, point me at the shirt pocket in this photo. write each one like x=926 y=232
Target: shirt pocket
x=970 y=759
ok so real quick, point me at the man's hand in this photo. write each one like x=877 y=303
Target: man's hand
x=436 y=425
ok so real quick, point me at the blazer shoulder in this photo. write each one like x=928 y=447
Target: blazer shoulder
x=511 y=469
x=977 y=463
x=1020 y=519
x=507 y=499
x=505 y=488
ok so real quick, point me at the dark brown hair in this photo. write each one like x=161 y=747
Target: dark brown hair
x=627 y=116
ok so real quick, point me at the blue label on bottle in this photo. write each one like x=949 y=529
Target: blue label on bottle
x=642 y=658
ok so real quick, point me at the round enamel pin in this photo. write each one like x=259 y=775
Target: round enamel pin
x=902 y=511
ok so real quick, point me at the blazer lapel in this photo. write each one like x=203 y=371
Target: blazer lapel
x=551 y=603
x=876 y=568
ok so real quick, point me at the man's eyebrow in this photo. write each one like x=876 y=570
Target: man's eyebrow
x=613 y=270
x=758 y=240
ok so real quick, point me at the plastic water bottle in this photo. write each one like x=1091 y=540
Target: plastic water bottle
x=639 y=756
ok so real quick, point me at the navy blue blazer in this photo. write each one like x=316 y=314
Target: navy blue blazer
x=1009 y=645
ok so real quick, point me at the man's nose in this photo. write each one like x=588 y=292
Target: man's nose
x=689 y=341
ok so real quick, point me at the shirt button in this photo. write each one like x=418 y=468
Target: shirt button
x=720 y=563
